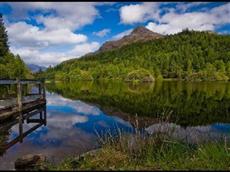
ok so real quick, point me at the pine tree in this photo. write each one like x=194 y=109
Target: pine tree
x=4 y=47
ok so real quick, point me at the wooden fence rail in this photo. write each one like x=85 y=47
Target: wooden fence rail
x=20 y=104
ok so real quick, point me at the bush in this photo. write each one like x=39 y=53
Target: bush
x=219 y=76
x=141 y=75
x=86 y=76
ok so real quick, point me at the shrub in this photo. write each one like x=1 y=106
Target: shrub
x=140 y=75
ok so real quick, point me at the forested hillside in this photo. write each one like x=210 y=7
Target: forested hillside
x=189 y=55
x=11 y=66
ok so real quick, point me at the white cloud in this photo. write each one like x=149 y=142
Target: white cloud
x=176 y=17
x=34 y=56
x=28 y=35
x=137 y=13
x=37 y=56
x=173 y=22
x=84 y=48
x=183 y=7
x=102 y=32
x=122 y=34
x=70 y=15
x=33 y=44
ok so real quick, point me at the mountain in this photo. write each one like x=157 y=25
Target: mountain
x=139 y=34
x=36 y=68
x=188 y=55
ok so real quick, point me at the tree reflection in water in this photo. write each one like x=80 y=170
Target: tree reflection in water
x=189 y=103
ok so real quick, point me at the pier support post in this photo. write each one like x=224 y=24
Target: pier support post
x=19 y=102
x=40 y=90
x=19 y=95
x=43 y=89
x=45 y=122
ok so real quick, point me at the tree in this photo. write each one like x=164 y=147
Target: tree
x=188 y=55
x=220 y=66
x=189 y=67
x=4 y=47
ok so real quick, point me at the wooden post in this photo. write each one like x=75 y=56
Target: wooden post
x=45 y=122
x=20 y=129
x=27 y=89
x=43 y=90
x=19 y=95
x=39 y=90
x=19 y=103
x=40 y=115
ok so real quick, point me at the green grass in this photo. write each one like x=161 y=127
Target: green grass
x=151 y=153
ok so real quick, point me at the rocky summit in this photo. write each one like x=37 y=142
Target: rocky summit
x=139 y=34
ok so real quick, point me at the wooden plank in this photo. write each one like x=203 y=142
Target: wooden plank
x=7 y=82
x=24 y=81
x=25 y=109
x=12 y=102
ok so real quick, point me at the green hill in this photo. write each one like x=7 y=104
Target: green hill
x=189 y=55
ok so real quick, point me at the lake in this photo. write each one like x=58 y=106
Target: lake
x=78 y=114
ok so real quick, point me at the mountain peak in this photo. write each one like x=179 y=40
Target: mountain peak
x=141 y=30
x=139 y=34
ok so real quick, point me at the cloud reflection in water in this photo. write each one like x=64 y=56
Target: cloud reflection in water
x=71 y=129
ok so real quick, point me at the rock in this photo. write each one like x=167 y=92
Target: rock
x=139 y=34
x=31 y=162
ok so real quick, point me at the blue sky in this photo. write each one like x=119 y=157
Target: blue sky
x=47 y=33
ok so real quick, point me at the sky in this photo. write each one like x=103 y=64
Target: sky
x=47 y=33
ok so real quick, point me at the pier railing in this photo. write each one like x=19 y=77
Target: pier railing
x=21 y=105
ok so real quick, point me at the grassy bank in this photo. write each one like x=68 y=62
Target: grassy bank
x=151 y=153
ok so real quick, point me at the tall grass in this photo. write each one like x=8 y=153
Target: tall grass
x=158 y=152
x=140 y=151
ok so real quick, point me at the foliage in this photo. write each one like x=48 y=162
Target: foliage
x=139 y=75
x=11 y=66
x=189 y=55
x=4 y=48
x=156 y=152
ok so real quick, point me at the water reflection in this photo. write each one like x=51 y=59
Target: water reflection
x=188 y=103
x=199 y=134
x=77 y=112
x=72 y=128
x=36 y=116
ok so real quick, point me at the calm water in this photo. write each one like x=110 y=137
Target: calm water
x=78 y=112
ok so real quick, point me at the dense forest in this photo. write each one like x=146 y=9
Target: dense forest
x=11 y=66
x=188 y=55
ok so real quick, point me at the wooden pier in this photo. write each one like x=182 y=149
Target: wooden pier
x=22 y=104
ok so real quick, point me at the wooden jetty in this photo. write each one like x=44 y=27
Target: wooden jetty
x=21 y=105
